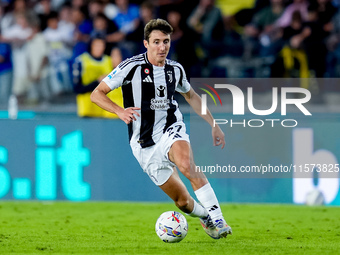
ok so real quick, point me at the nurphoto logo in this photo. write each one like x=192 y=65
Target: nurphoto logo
x=288 y=96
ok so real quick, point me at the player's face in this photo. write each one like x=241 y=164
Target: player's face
x=157 y=47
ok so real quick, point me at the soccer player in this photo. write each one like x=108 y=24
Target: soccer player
x=157 y=133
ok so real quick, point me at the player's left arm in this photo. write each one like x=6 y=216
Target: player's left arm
x=195 y=102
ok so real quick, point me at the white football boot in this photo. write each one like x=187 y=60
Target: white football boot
x=223 y=228
x=215 y=230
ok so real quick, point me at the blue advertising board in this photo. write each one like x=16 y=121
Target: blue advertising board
x=75 y=159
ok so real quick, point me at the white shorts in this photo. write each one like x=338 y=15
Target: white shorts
x=154 y=160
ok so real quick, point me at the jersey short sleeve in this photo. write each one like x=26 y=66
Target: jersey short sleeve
x=121 y=74
x=183 y=85
x=115 y=79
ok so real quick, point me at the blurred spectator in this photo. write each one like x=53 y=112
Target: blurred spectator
x=88 y=70
x=19 y=31
x=116 y=56
x=245 y=16
x=106 y=28
x=233 y=44
x=182 y=46
x=177 y=49
x=146 y=13
x=66 y=25
x=307 y=46
x=17 y=35
x=43 y=9
x=127 y=20
x=127 y=16
x=325 y=12
x=286 y=18
x=293 y=57
x=83 y=29
x=294 y=28
x=83 y=24
x=5 y=72
x=37 y=61
x=58 y=56
x=16 y=7
x=207 y=22
x=101 y=26
x=95 y=7
x=313 y=39
x=261 y=31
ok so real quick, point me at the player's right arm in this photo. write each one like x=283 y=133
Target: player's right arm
x=99 y=97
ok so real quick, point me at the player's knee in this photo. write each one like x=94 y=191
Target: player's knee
x=184 y=165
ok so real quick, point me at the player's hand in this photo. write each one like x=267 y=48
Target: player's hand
x=128 y=114
x=218 y=136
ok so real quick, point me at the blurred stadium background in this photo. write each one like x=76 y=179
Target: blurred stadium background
x=48 y=152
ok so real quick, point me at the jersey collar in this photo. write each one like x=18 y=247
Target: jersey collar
x=146 y=58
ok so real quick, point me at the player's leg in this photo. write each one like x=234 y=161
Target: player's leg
x=181 y=154
x=176 y=190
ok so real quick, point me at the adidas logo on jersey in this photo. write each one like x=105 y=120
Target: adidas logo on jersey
x=147 y=79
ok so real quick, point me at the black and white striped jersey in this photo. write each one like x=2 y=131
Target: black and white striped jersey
x=151 y=88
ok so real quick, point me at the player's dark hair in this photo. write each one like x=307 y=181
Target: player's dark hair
x=157 y=24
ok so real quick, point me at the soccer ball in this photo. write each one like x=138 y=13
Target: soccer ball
x=171 y=227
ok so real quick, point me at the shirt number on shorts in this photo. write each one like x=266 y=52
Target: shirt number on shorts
x=173 y=130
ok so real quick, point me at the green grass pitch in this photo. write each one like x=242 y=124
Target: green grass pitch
x=128 y=228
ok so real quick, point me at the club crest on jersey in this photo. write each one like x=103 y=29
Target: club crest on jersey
x=146 y=70
x=169 y=73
